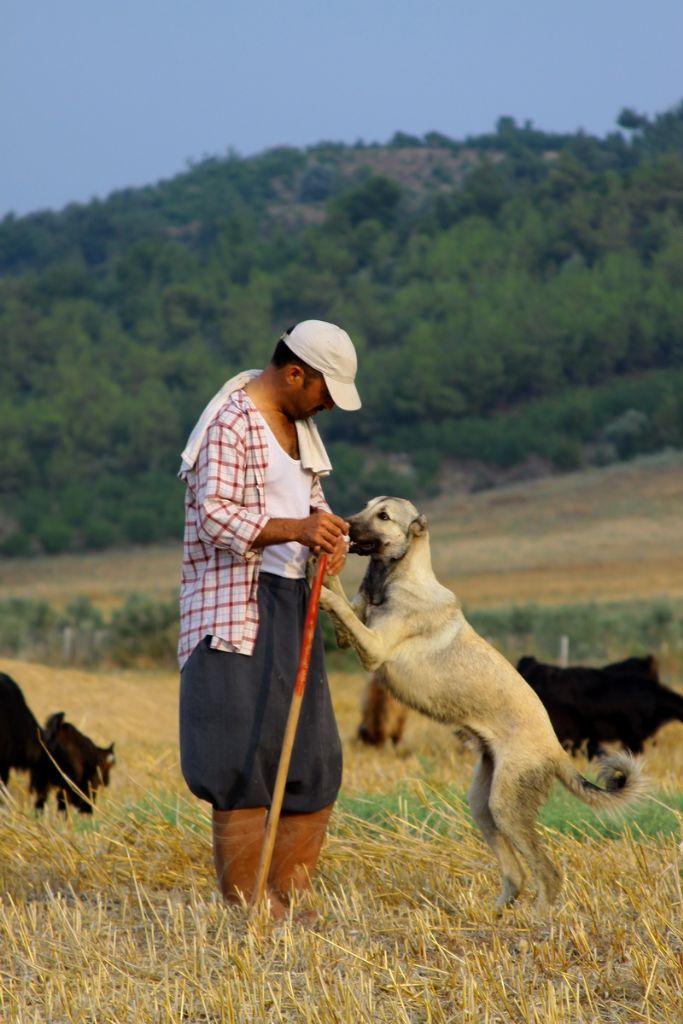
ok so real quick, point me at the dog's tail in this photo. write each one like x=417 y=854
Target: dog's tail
x=621 y=779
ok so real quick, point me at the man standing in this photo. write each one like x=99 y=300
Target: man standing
x=254 y=508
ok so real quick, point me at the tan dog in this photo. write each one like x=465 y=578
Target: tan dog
x=405 y=623
x=382 y=716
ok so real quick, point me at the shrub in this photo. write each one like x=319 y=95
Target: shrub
x=595 y=632
x=140 y=527
x=144 y=630
x=17 y=544
x=98 y=534
x=25 y=626
x=54 y=536
x=80 y=611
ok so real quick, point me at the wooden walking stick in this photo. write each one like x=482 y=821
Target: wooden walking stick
x=290 y=732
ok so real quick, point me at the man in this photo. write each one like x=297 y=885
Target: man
x=254 y=510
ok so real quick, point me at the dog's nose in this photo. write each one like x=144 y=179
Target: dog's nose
x=354 y=527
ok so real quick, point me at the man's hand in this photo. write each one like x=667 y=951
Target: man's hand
x=337 y=559
x=323 y=531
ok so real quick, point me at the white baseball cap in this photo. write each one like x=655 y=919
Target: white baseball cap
x=329 y=349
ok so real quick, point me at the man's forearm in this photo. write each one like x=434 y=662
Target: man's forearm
x=320 y=531
x=278 y=531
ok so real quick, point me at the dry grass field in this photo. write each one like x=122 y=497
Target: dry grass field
x=115 y=920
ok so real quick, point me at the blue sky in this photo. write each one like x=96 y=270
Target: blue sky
x=102 y=94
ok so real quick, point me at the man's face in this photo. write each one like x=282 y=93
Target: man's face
x=313 y=397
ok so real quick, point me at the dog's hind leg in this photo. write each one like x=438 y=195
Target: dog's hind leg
x=514 y=803
x=511 y=867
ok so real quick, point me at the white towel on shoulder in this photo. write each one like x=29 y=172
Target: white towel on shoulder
x=311 y=448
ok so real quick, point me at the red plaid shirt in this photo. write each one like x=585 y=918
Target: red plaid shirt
x=224 y=513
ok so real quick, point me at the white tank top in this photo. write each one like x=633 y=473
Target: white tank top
x=288 y=496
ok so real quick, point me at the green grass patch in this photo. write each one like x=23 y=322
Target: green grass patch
x=404 y=810
x=657 y=815
x=152 y=809
x=446 y=812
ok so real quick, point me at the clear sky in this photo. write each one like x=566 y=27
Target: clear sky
x=102 y=94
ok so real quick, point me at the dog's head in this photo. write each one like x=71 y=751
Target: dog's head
x=385 y=528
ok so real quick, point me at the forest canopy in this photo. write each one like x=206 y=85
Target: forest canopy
x=514 y=295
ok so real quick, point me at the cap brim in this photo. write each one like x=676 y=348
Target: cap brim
x=345 y=396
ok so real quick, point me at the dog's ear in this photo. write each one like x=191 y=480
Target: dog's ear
x=419 y=525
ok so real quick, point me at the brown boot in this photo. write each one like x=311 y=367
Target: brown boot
x=237 y=842
x=298 y=841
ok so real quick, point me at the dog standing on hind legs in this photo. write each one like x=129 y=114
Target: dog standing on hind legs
x=405 y=625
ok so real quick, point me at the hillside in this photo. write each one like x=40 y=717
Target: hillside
x=515 y=298
x=596 y=535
